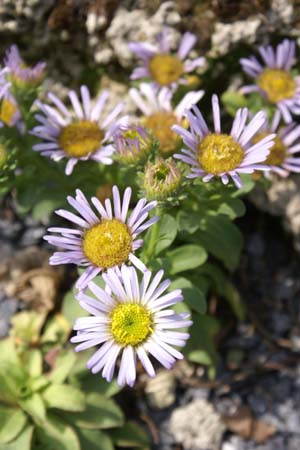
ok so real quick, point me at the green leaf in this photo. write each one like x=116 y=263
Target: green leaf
x=226 y=289
x=22 y=441
x=55 y=435
x=91 y=383
x=100 y=412
x=71 y=308
x=64 y=363
x=221 y=238
x=94 y=440
x=57 y=330
x=34 y=363
x=35 y=407
x=65 y=397
x=192 y=295
x=167 y=233
x=11 y=381
x=232 y=207
x=186 y=257
x=131 y=435
x=233 y=101
x=27 y=325
x=43 y=208
x=12 y=421
x=200 y=347
x=188 y=221
x=8 y=354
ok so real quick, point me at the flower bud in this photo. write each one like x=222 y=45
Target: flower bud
x=162 y=180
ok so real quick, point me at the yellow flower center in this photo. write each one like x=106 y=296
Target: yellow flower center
x=218 y=153
x=278 y=152
x=277 y=84
x=7 y=111
x=165 y=69
x=160 y=124
x=131 y=324
x=81 y=138
x=107 y=244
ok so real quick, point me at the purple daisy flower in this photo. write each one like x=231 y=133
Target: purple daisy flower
x=77 y=135
x=274 y=79
x=20 y=72
x=132 y=144
x=133 y=322
x=106 y=239
x=160 y=64
x=214 y=154
x=159 y=114
x=281 y=159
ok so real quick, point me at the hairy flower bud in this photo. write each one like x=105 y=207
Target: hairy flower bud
x=162 y=180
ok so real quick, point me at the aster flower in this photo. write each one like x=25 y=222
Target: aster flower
x=159 y=115
x=104 y=240
x=214 y=154
x=20 y=73
x=78 y=135
x=132 y=322
x=281 y=159
x=133 y=144
x=160 y=64
x=274 y=79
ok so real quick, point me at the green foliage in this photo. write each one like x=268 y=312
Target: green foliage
x=48 y=407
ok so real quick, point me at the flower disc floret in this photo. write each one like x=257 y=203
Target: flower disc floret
x=284 y=154
x=278 y=152
x=160 y=124
x=165 y=69
x=81 y=138
x=8 y=111
x=219 y=153
x=107 y=244
x=277 y=84
x=131 y=324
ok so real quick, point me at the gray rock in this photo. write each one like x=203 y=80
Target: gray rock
x=7 y=308
x=32 y=236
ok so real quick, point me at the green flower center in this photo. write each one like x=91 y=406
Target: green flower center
x=131 y=324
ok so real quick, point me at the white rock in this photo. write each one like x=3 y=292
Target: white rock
x=197 y=426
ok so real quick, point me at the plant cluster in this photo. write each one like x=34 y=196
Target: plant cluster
x=165 y=188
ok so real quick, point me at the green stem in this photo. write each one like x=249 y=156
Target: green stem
x=153 y=237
